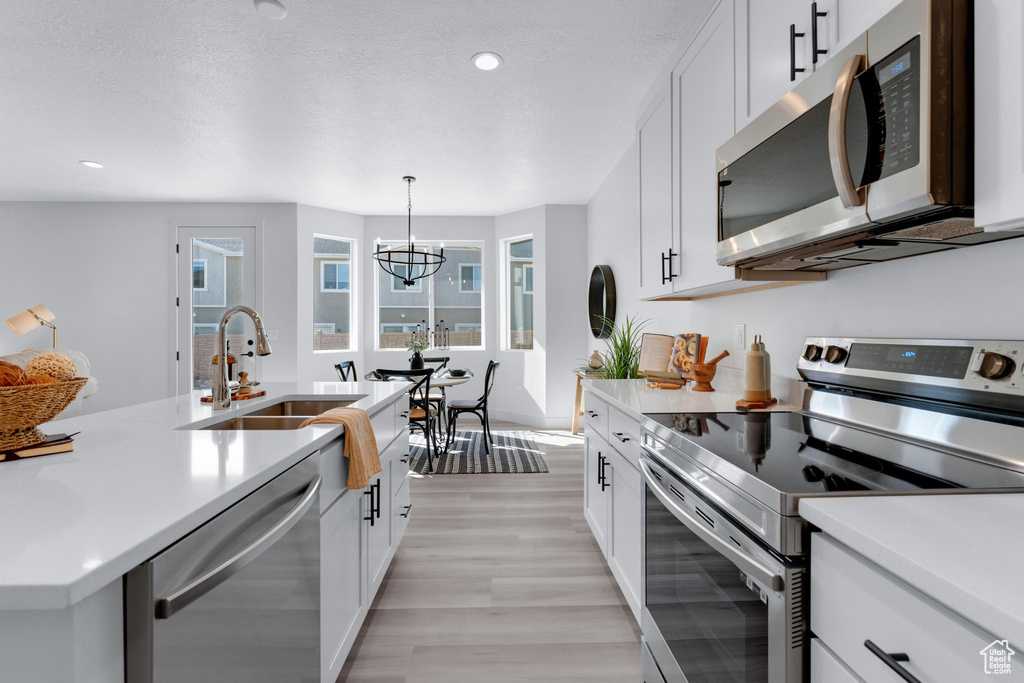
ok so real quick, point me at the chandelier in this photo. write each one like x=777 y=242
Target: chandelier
x=417 y=264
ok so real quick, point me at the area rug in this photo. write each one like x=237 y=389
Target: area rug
x=511 y=453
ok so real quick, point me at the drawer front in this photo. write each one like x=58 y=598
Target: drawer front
x=333 y=474
x=826 y=667
x=854 y=601
x=383 y=427
x=402 y=509
x=595 y=415
x=400 y=412
x=398 y=453
x=624 y=435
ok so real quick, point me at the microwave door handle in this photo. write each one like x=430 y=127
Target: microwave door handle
x=849 y=194
x=168 y=606
x=747 y=564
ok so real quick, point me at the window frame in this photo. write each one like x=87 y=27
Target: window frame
x=333 y=327
x=352 y=291
x=323 y=288
x=473 y=278
x=416 y=289
x=528 y=267
x=505 y=283
x=204 y=325
x=403 y=331
x=450 y=246
x=206 y=275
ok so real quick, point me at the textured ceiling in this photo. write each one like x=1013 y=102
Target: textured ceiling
x=206 y=100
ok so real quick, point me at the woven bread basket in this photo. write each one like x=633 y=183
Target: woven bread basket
x=23 y=408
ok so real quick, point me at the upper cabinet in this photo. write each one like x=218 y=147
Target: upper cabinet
x=998 y=133
x=654 y=147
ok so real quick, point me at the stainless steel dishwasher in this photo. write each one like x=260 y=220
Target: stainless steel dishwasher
x=238 y=599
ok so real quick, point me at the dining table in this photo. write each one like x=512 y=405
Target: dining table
x=441 y=380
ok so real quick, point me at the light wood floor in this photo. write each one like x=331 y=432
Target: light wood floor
x=498 y=578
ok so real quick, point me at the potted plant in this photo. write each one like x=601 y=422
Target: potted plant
x=622 y=359
x=417 y=345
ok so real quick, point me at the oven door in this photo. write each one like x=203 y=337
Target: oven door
x=717 y=605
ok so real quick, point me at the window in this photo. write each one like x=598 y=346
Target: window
x=398 y=281
x=334 y=276
x=519 y=296
x=449 y=301
x=204 y=328
x=469 y=278
x=198 y=274
x=333 y=300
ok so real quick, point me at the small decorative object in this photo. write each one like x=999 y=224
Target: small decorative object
x=39 y=379
x=52 y=364
x=685 y=352
x=412 y=263
x=622 y=361
x=417 y=345
x=703 y=373
x=596 y=362
x=23 y=408
x=231 y=366
x=11 y=375
x=457 y=372
x=756 y=378
x=602 y=302
x=33 y=318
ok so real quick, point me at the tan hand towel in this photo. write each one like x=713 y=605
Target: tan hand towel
x=360 y=443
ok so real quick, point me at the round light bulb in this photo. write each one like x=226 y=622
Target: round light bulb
x=486 y=61
x=91 y=164
x=271 y=9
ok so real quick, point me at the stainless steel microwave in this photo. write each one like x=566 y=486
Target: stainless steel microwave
x=868 y=159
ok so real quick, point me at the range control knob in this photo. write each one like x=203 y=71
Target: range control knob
x=835 y=354
x=812 y=352
x=991 y=365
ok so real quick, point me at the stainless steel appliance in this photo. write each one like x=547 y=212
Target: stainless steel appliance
x=724 y=549
x=868 y=159
x=238 y=599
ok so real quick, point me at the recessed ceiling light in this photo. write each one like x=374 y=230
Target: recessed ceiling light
x=91 y=164
x=487 y=61
x=271 y=9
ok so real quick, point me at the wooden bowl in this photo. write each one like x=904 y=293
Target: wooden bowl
x=702 y=374
x=23 y=408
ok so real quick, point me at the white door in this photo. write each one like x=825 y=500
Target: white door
x=216 y=269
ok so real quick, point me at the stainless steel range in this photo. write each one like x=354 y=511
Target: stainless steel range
x=724 y=546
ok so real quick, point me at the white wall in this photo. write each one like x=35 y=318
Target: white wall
x=970 y=293
x=106 y=271
x=319 y=366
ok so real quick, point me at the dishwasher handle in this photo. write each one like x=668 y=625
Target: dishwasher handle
x=172 y=604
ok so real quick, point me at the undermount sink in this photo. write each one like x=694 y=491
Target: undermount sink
x=250 y=422
x=304 y=408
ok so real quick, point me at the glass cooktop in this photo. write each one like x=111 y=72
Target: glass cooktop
x=791 y=454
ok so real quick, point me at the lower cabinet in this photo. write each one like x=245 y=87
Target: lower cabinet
x=596 y=496
x=359 y=534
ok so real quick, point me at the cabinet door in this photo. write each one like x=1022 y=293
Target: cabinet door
x=378 y=505
x=764 y=63
x=705 y=121
x=654 y=146
x=624 y=537
x=840 y=21
x=343 y=595
x=998 y=135
x=595 y=493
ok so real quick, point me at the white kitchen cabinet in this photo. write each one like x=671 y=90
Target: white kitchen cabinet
x=998 y=134
x=378 y=507
x=343 y=583
x=844 y=20
x=624 y=527
x=704 y=120
x=654 y=198
x=596 y=498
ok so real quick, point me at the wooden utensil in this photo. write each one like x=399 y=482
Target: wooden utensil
x=721 y=356
x=702 y=374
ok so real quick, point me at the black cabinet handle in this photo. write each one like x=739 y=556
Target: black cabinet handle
x=602 y=477
x=591 y=413
x=664 y=258
x=620 y=437
x=405 y=414
x=377 y=486
x=793 y=35
x=408 y=509
x=892 y=660
x=405 y=460
x=815 y=15
x=370 y=494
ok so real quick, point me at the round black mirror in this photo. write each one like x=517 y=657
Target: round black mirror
x=602 y=301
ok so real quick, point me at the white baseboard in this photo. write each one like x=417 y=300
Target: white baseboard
x=540 y=422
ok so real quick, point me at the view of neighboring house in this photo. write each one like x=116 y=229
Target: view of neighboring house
x=332 y=293
x=217 y=283
x=520 y=292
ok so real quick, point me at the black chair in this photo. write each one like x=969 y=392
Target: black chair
x=422 y=415
x=438 y=398
x=477 y=407
x=346 y=370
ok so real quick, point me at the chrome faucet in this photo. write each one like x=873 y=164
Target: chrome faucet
x=221 y=390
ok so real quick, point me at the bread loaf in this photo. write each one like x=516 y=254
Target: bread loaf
x=40 y=379
x=11 y=375
x=54 y=365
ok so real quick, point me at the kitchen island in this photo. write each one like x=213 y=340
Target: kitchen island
x=139 y=479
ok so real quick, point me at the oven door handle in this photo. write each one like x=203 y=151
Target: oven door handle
x=838 y=154
x=748 y=565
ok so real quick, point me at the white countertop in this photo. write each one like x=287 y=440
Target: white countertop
x=632 y=395
x=964 y=551
x=74 y=522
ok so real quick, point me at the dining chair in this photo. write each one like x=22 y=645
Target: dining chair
x=477 y=407
x=422 y=415
x=346 y=370
x=438 y=397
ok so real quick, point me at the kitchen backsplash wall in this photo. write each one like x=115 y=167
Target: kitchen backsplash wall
x=969 y=293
